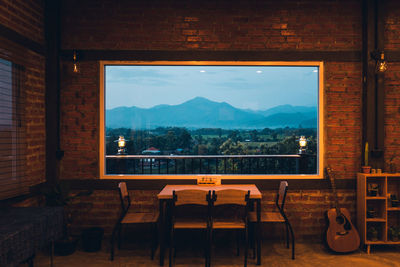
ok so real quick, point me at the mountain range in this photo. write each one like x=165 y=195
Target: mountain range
x=201 y=112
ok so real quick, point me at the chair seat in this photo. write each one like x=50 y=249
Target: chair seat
x=228 y=224
x=183 y=223
x=140 y=217
x=267 y=217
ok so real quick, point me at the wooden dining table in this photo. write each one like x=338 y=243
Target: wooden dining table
x=165 y=196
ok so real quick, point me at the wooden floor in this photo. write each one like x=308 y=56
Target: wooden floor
x=273 y=254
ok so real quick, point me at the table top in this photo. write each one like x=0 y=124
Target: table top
x=166 y=192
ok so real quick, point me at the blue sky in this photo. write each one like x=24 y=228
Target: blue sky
x=252 y=87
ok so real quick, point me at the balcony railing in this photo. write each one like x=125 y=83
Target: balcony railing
x=210 y=164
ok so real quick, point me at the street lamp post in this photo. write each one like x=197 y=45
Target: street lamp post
x=303 y=154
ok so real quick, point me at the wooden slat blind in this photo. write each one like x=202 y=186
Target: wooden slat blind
x=13 y=181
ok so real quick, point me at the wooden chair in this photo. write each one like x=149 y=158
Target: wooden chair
x=239 y=200
x=130 y=217
x=190 y=198
x=277 y=216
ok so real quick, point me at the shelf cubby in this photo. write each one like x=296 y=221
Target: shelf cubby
x=377 y=209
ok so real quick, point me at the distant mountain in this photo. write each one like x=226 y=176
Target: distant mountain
x=288 y=109
x=200 y=112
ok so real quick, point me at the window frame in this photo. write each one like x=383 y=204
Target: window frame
x=321 y=103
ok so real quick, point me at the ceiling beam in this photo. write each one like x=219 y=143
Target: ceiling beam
x=205 y=55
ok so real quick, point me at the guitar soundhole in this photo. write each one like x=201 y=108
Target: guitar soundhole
x=342 y=220
x=339 y=220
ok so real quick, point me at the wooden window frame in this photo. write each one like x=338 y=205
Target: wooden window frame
x=321 y=136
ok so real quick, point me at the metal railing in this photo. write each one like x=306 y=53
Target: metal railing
x=210 y=164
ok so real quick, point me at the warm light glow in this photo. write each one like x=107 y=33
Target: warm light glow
x=76 y=68
x=302 y=141
x=381 y=64
x=121 y=142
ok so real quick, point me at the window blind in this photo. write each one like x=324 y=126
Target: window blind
x=13 y=181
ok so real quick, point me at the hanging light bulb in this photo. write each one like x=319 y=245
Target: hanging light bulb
x=76 y=68
x=381 y=64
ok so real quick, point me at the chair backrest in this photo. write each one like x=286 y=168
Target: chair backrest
x=281 y=196
x=231 y=197
x=195 y=203
x=124 y=196
x=191 y=197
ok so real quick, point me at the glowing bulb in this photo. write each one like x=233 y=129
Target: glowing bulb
x=381 y=64
x=121 y=141
x=302 y=141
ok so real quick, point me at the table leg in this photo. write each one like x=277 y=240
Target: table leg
x=162 y=231
x=258 y=235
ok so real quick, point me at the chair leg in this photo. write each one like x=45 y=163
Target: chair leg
x=115 y=230
x=206 y=247
x=292 y=235
x=119 y=236
x=252 y=238
x=154 y=241
x=210 y=242
x=171 y=246
x=246 y=245
x=237 y=242
x=287 y=235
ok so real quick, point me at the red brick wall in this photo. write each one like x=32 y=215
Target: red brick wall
x=80 y=121
x=212 y=25
x=305 y=210
x=225 y=26
x=392 y=87
x=26 y=18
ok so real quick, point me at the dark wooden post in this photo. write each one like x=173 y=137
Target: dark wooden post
x=373 y=84
x=52 y=97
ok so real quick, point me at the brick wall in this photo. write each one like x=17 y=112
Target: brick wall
x=26 y=18
x=305 y=210
x=212 y=25
x=225 y=26
x=80 y=121
x=392 y=86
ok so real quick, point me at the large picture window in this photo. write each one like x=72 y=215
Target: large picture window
x=255 y=120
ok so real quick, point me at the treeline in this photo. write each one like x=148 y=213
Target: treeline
x=212 y=141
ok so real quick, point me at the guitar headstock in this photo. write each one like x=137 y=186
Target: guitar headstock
x=330 y=176
x=328 y=172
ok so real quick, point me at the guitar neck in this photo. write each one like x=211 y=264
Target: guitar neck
x=333 y=185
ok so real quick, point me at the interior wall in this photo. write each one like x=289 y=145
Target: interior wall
x=225 y=26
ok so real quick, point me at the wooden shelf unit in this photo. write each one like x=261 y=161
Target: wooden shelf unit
x=384 y=215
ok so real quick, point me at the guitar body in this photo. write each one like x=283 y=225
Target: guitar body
x=341 y=236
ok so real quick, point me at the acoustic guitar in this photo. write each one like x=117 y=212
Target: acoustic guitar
x=341 y=235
